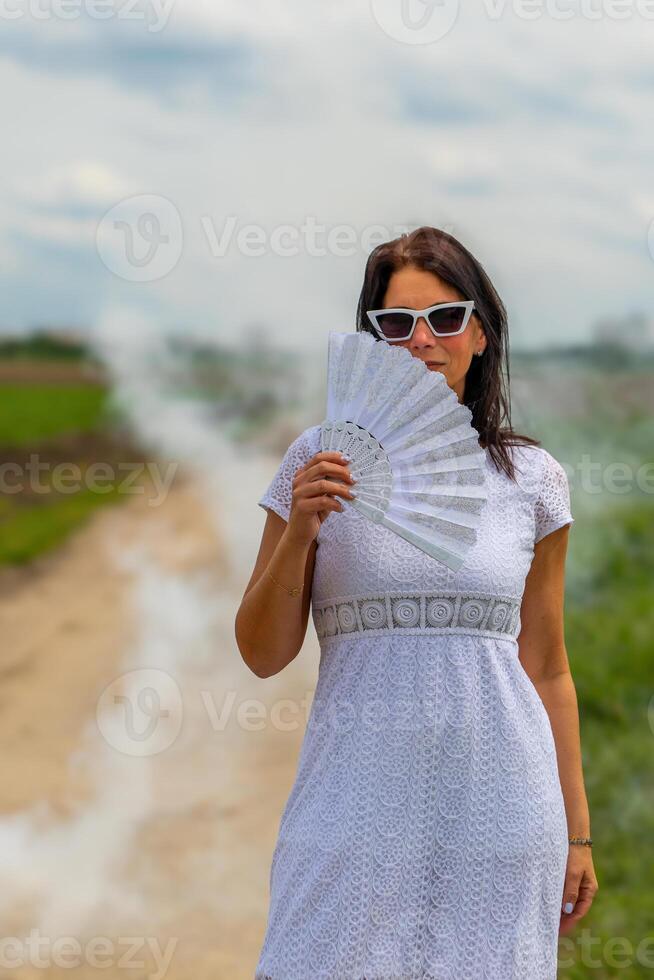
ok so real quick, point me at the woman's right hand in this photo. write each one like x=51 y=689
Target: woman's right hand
x=315 y=486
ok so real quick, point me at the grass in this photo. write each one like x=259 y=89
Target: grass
x=55 y=421
x=609 y=640
x=34 y=530
x=31 y=413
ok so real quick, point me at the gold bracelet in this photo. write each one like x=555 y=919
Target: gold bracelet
x=294 y=591
x=588 y=841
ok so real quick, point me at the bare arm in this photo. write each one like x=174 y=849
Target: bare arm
x=544 y=657
x=271 y=623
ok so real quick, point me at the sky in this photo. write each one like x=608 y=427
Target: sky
x=220 y=165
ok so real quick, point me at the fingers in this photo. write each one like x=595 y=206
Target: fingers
x=318 y=483
x=320 y=504
x=570 y=891
x=322 y=466
x=578 y=895
x=328 y=462
x=324 y=489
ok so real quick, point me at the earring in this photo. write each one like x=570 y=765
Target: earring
x=479 y=353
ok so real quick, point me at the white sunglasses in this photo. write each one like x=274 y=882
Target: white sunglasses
x=444 y=319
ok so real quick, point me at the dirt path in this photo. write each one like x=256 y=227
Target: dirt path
x=173 y=847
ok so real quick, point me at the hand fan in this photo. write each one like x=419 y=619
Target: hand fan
x=416 y=456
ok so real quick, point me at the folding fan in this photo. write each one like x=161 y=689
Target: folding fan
x=420 y=470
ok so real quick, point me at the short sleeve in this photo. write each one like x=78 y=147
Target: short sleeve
x=552 y=509
x=279 y=493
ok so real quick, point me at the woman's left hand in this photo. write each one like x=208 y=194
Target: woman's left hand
x=580 y=886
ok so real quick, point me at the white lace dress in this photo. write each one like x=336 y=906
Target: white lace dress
x=425 y=835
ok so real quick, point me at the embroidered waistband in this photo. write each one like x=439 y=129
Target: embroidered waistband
x=418 y=612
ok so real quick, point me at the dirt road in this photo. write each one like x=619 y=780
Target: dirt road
x=172 y=847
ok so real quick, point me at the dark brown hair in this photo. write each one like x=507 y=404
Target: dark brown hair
x=487 y=380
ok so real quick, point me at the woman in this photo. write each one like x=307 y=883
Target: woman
x=438 y=824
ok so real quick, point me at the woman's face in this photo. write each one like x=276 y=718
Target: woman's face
x=416 y=289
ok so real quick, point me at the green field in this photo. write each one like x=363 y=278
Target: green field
x=62 y=424
x=605 y=417
x=30 y=413
x=27 y=532
x=611 y=650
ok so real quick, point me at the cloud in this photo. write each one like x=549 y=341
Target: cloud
x=84 y=182
x=128 y=57
x=507 y=132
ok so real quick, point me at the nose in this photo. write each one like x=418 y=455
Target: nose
x=423 y=333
